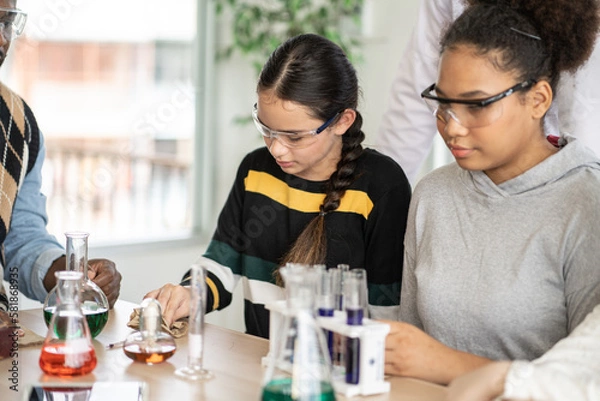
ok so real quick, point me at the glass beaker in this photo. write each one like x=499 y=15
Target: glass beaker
x=150 y=344
x=300 y=368
x=67 y=349
x=94 y=303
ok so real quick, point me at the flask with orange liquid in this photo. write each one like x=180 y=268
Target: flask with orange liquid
x=67 y=349
x=150 y=344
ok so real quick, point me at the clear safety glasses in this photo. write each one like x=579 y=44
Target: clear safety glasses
x=296 y=140
x=470 y=113
x=12 y=22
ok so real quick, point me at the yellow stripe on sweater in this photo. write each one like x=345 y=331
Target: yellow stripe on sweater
x=215 y=291
x=263 y=183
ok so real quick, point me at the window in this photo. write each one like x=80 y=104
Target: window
x=112 y=89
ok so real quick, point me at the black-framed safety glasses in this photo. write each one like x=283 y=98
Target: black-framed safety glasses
x=470 y=113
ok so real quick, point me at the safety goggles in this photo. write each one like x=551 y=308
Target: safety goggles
x=470 y=113
x=296 y=140
x=12 y=22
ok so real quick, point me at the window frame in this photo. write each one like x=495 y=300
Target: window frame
x=203 y=170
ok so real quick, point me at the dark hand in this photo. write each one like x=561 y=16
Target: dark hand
x=104 y=273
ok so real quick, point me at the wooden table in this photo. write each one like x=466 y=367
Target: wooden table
x=233 y=357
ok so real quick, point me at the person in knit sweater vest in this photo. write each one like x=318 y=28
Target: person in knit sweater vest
x=29 y=255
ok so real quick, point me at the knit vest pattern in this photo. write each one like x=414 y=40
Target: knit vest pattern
x=19 y=147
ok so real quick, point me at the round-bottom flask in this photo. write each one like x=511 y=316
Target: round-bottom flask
x=94 y=303
x=149 y=345
x=67 y=349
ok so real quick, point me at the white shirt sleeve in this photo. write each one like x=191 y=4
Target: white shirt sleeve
x=568 y=371
x=578 y=101
x=408 y=128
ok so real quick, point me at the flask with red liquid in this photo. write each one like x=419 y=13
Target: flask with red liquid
x=68 y=349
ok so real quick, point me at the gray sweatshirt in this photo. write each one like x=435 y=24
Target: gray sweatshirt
x=504 y=271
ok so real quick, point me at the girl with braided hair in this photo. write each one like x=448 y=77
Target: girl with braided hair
x=313 y=195
x=501 y=247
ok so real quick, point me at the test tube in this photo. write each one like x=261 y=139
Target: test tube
x=343 y=269
x=325 y=301
x=194 y=369
x=336 y=285
x=361 y=276
x=354 y=304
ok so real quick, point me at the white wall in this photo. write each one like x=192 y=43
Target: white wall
x=387 y=32
x=148 y=267
x=388 y=28
x=145 y=268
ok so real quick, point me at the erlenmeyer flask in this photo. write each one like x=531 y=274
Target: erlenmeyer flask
x=94 y=303
x=67 y=349
x=300 y=369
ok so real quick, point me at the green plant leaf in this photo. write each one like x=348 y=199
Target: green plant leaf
x=259 y=26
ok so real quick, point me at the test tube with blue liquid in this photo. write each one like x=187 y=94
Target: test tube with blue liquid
x=342 y=271
x=355 y=304
x=335 y=273
x=325 y=301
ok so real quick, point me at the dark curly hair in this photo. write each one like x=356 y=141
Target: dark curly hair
x=311 y=70
x=535 y=38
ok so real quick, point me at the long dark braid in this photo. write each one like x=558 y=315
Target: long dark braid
x=345 y=173
x=313 y=71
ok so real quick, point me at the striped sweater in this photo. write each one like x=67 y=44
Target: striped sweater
x=267 y=209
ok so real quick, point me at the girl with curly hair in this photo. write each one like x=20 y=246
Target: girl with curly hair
x=501 y=248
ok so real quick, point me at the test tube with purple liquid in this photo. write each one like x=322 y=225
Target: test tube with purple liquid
x=355 y=303
x=325 y=301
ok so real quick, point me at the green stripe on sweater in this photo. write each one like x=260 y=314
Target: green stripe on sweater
x=258 y=269
x=252 y=267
